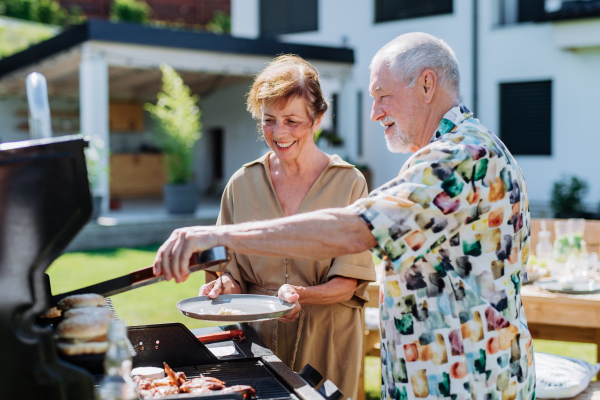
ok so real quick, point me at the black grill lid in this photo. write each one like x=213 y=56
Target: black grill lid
x=44 y=201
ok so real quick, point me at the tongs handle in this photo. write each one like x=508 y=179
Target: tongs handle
x=198 y=262
x=145 y=276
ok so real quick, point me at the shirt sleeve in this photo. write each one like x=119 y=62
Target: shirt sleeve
x=226 y=218
x=358 y=266
x=437 y=191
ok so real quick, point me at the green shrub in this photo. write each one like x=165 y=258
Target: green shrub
x=179 y=125
x=50 y=12
x=220 y=23
x=567 y=196
x=130 y=11
x=45 y=11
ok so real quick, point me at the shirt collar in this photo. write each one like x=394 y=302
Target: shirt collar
x=451 y=119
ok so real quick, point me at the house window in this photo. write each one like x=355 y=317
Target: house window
x=391 y=10
x=288 y=16
x=526 y=117
x=517 y=11
x=334 y=112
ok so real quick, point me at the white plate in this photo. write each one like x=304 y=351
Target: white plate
x=253 y=307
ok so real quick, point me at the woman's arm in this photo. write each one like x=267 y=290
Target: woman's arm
x=337 y=290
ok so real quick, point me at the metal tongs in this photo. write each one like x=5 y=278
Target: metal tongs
x=145 y=276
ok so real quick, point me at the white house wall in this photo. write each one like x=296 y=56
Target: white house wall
x=521 y=52
x=528 y=52
x=226 y=109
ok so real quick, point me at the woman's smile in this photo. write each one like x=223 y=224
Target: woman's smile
x=284 y=145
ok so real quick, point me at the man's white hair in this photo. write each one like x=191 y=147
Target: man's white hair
x=410 y=54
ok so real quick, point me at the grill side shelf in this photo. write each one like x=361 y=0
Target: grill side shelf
x=299 y=385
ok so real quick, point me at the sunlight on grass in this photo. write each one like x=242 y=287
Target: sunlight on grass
x=152 y=304
x=373 y=377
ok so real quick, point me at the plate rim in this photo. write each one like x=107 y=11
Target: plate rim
x=541 y=285
x=234 y=318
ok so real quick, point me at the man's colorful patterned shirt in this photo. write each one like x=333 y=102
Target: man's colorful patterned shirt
x=452 y=321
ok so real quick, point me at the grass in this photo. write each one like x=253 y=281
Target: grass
x=156 y=303
x=147 y=305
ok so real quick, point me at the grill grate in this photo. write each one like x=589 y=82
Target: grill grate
x=251 y=372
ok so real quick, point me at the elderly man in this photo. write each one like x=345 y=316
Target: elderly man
x=452 y=228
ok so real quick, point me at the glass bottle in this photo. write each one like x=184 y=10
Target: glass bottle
x=117 y=383
x=576 y=229
x=562 y=245
x=543 y=249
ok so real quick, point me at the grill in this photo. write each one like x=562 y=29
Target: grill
x=44 y=202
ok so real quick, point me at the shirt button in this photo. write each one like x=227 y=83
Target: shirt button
x=287 y=275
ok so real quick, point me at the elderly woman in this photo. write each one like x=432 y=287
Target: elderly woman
x=325 y=328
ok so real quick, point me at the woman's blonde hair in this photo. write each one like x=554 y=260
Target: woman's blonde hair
x=285 y=78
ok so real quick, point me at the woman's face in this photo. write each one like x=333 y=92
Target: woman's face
x=289 y=130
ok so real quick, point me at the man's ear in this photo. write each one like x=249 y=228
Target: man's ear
x=428 y=81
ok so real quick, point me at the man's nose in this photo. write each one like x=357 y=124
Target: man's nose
x=376 y=112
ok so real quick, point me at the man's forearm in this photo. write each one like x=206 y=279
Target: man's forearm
x=316 y=235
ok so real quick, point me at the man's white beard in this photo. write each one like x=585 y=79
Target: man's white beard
x=397 y=141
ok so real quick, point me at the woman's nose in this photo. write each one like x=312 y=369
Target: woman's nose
x=279 y=129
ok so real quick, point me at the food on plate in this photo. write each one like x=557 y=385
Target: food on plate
x=81 y=300
x=176 y=383
x=83 y=334
x=230 y=311
x=102 y=312
x=148 y=372
x=52 y=313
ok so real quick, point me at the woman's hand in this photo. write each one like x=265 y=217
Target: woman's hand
x=223 y=285
x=291 y=294
x=173 y=257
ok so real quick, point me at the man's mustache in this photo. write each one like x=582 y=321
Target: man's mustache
x=387 y=121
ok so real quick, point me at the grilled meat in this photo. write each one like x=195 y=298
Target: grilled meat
x=245 y=390
x=176 y=382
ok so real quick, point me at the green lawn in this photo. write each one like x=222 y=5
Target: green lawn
x=156 y=303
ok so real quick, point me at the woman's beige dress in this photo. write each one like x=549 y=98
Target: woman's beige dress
x=327 y=337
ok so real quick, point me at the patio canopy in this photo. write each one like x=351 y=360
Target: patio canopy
x=100 y=61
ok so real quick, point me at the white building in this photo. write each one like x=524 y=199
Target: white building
x=535 y=84
x=529 y=72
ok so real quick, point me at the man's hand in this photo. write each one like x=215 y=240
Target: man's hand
x=291 y=294
x=222 y=285
x=173 y=257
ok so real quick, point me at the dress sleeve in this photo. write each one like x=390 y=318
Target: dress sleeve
x=226 y=218
x=438 y=190
x=358 y=266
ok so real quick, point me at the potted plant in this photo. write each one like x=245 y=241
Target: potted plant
x=93 y=156
x=567 y=197
x=178 y=130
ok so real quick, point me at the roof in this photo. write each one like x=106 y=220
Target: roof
x=127 y=33
x=574 y=10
